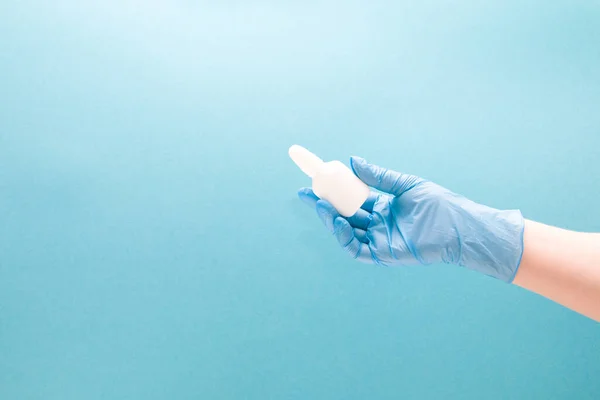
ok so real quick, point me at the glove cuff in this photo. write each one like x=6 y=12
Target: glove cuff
x=496 y=249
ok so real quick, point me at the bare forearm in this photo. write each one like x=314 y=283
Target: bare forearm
x=563 y=266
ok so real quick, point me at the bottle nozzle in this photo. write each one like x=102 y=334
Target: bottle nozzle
x=305 y=160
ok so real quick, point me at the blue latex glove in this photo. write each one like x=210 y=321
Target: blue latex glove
x=415 y=222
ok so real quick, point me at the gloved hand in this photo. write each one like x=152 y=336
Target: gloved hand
x=415 y=221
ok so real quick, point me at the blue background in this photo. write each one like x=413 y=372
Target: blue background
x=151 y=242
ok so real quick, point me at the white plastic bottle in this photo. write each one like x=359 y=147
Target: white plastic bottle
x=332 y=181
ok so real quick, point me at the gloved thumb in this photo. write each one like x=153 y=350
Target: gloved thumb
x=383 y=179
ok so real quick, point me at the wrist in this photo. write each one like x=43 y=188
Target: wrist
x=495 y=247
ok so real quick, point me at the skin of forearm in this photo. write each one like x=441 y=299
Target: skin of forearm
x=563 y=266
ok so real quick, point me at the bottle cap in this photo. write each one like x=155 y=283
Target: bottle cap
x=305 y=160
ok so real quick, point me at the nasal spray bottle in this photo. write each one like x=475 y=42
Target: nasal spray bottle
x=332 y=181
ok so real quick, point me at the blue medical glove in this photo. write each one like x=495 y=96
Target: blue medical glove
x=416 y=222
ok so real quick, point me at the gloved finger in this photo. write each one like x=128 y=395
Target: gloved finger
x=346 y=238
x=361 y=235
x=327 y=213
x=364 y=255
x=383 y=179
x=308 y=197
x=361 y=219
x=369 y=204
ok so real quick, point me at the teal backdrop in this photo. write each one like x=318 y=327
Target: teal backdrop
x=151 y=242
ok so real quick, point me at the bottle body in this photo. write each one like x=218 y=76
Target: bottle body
x=336 y=183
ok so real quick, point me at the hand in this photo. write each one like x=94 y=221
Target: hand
x=412 y=221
